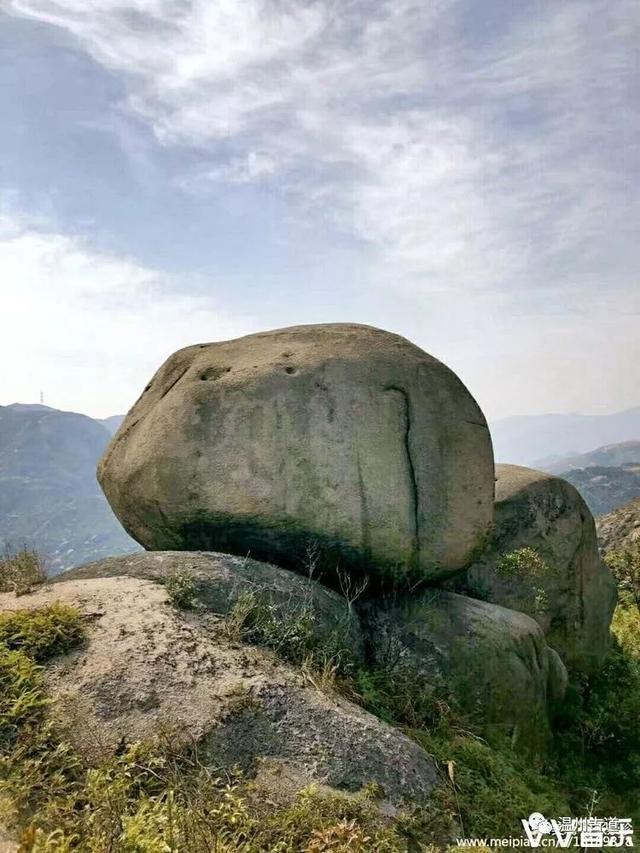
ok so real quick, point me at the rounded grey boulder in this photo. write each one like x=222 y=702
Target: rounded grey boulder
x=545 y=562
x=340 y=435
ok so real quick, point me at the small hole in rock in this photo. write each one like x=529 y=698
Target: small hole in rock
x=290 y=370
x=213 y=373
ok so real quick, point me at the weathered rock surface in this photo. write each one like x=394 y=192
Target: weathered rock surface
x=343 y=435
x=7 y=842
x=570 y=592
x=620 y=529
x=147 y=666
x=220 y=579
x=492 y=662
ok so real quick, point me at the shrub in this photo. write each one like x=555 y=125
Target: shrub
x=485 y=789
x=181 y=589
x=626 y=629
x=597 y=744
x=526 y=563
x=523 y=561
x=488 y=789
x=21 y=571
x=625 y=565
x=403 y=697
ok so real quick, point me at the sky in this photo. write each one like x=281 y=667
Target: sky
x=180 y=171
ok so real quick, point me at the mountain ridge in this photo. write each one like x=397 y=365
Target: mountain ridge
x=49 y=496
x=537 y=440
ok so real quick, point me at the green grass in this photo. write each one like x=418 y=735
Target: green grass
x=487 y=786
x=43 y=633
x=149 y=798
x=488 y=789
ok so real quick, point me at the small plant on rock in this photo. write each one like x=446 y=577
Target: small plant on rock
x=181 y=589
x=255 y=619
x=21 y=571
x=523 y=562
x=526 y=565
x=291 y=632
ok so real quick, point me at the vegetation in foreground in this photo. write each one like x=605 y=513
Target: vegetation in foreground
x=148 y=798
x=20 y=571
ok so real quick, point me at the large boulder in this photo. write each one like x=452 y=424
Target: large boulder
x=148 y=667
x=343 y=436
x=492 y=663
x=544 y=561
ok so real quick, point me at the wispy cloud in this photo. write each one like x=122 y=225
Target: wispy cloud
x=82 y=324
x=467 y=157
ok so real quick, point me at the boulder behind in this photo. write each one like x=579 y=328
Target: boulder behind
x=492 y=662
x=545 y=562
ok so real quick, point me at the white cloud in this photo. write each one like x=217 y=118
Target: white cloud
x=255 y=166
x=465 y=160
x=89 y=328
x=489 y=169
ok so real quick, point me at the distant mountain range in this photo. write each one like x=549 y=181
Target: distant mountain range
x=607 y=477
x=543 y=440
x=49 y=497
x=609 y=456
x=605 y=488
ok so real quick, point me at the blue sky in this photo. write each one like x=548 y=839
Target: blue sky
x=175 y=171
